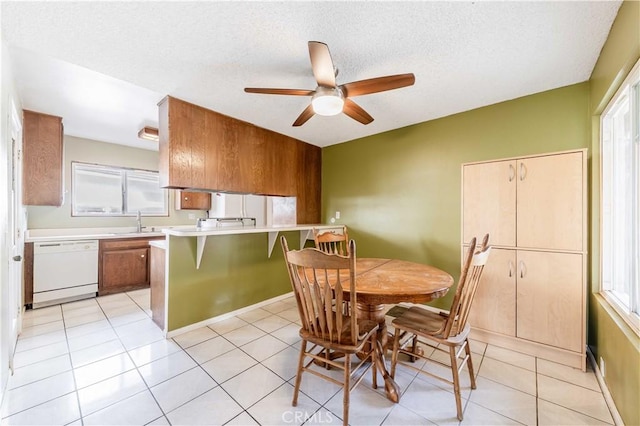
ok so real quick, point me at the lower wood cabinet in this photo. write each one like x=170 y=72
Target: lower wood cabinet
x=124 y=265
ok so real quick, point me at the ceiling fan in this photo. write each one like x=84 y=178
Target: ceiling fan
x=329 y=98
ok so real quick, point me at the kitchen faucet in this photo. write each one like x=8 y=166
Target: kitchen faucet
x=139 y=222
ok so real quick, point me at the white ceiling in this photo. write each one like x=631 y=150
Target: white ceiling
x=103 y=66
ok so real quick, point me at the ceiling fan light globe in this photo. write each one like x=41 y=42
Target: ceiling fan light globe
x=327 y=105
x=327 y=101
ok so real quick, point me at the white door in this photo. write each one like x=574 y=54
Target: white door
x=16 y=225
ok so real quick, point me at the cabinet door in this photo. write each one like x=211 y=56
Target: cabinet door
x=489 y=202
x=182 y=146
x=550 y=299
x=122 y=269
x=42 y=164
x=186 y=200
x=550 y=204
x=494 y=306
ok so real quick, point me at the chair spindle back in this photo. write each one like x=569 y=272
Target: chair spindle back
x=320 y=282
x=475 y=260
x=332 y=242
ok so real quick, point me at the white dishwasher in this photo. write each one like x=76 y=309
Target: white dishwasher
x=64 y=271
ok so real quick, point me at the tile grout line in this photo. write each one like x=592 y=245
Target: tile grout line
x=537 y=392
x=73 y=374
x=134 y=364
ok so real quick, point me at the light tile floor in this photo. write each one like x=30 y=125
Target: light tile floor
x=103 y=361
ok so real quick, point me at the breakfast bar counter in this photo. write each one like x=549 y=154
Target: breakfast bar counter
x=306 y=232
x=210 y=273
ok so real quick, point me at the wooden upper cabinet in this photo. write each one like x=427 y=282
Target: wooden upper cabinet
x=281 y=172
x=308 y=180
x=554 y=180
x=42 y=161
x=184 y=146
x=489 y=202
x=205 y=150
x=186 y=200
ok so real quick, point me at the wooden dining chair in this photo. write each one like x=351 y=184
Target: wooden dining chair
x=332 y=241
x=321 y=281
x=444 y=331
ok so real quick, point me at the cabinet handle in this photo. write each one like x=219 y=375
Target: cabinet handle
x=522 y=269
x=142 y=255
x=512 y=173
x=523 y=171
x=186 y=198
x=510 y=269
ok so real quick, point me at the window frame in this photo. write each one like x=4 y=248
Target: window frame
x=630 y=87
x=123 y=172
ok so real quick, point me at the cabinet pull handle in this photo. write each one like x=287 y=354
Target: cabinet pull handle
x=142 y=255
x=522 y=172
x=510 y=269
x=512 y=173
x=522 y=269
x=186 y=198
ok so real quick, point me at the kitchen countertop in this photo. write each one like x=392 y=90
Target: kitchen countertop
x=192 y=231
x=201 y=234
x=72 y=234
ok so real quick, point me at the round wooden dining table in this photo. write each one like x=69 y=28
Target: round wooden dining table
x=380 y=282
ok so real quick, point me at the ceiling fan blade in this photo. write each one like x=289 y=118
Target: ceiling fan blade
x=321 y=64
x=378 y=84
x=356 y=112
x=293 y=92
x=304 y=117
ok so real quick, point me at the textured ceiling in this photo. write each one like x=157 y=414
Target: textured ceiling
x=103 y=66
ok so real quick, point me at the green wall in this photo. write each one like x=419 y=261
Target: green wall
x=235 y=272
x=399 y=192
x=609 y=336
x=90 y=151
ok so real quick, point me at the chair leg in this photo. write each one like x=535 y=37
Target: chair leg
x=414 y=349
x=346 y=390
x=374 y=354
x=394 y=354
x=303 y=350
x=456 y=380
x=472 y=376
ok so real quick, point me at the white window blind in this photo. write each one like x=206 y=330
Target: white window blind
x=113 y=191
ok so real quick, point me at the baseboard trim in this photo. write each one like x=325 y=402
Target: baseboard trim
x=228 y=315
x=617 y=419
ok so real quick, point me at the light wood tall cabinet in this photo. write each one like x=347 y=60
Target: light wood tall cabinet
x=532 y=297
